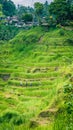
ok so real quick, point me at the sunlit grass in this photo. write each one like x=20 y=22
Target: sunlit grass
x=39 y=64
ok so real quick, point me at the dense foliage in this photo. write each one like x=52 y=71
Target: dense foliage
x=36 y=66
x=27 y=17
x=62 y=10
x=39 y=8
x=1 y=13
x=8 y=32
x=21 y=10
x=9 y=8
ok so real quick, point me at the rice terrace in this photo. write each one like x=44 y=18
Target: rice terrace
x=36 y=66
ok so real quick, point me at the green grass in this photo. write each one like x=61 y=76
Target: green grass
x=39 y=65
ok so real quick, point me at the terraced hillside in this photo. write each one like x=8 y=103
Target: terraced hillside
x=36 y=81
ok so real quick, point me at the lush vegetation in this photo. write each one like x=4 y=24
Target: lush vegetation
x=36 y=80
x=36 y=67
x=8 y=32
x=8 y=7
x=27 y=17
x=61 y=11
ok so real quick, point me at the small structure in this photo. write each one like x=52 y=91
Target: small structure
x=44 y=22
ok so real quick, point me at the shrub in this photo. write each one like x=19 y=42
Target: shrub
x=18 y=120
x=68 y=88
x=63 y=119
x=69 y=107
x=69 y=41
x=61 y=32
x=12 y=117
x=58 y=25
x=8 y=32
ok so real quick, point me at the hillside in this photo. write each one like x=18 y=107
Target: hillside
x=36 y=80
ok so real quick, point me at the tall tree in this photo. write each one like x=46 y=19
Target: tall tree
x=39 y=10
x=1 y=1
x=9 y=8
x=21 y=10
x=46 y=12
x=27 y=17
x=61 y=10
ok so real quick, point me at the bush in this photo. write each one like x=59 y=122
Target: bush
x=12 y=117
x=18 y=120
x=69 y=41
x=61 y=32
x=63 y=119
x=32 y=38
x=69 y=107
x=2 y=42
x=68 y=88
x=58 y=25
x=8 y=32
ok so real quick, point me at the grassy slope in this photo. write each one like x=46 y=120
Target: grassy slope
x=34 y=67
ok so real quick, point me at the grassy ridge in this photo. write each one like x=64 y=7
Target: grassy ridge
x=34 y=68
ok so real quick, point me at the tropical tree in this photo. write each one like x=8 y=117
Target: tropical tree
x=27 y=17
x=21 y=10
x=71 y=12
x=39 y=10
x=1 y=1
x=9 y=8
x=60 y=9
